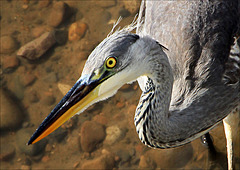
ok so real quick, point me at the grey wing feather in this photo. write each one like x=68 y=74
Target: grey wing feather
x=199 y=36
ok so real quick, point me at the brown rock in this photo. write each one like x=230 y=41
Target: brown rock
x=146 y=162
x=76 y=31
x=132 y=6
x=8 y=45
x=100 y=119
x=10 y=114
x=9 y=63
x=120 y=105
x=36 y=48
x=25 y=167
x=59 y=13
x=45 y=158
x=113 y=134
x=126 y=87
x=106 y=161
x=92 y=133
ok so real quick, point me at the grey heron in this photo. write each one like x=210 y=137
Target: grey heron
x=186 y=90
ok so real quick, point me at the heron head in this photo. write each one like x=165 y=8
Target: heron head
x=110 y=65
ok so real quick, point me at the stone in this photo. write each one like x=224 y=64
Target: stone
x=25 y=167
x=36 y=48
x=104 y=162
x=132 y=6
x=76 y=31
x=7 y=151
x=11 y=115
x=100 y=119
x=146 y=162
x=45 y=159
x=120 y=105
x=22 y=136
x=59 y=13
x=9 y=63
x=8 y=44
x=92 y=133
x=64 y=88
x=113 y=134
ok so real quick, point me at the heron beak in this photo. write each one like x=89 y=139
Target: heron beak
x=82 y=94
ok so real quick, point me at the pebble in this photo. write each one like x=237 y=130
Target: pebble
x=92 y=133
x=100 y=119
x=76 y=31
x=9 y=63
x=7 y=151
x=132 y=6
x=146 y=162
x=25 y=167
x=9 y=45
x=59 y=13
x=64 y=88
x=22 y=136
x=126 y=87
x=45 y=158
x=104 y=162
x=120 y=105
x=36 y=48
x=113 y=134
x=10 y=113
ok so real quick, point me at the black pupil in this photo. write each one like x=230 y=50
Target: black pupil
x=110 y=62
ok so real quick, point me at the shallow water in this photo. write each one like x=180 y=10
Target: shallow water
x=31 y=89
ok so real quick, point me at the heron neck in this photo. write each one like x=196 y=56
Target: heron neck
x=156 y=124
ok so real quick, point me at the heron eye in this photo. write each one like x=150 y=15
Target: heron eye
x=111 y=62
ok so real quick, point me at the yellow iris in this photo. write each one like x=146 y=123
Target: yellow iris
x=111 y=62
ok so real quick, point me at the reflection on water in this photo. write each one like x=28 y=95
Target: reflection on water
x=104 y=135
